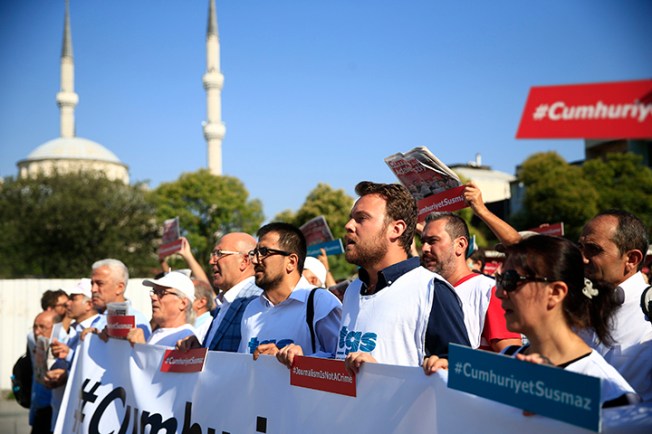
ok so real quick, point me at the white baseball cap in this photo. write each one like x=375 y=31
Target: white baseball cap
x=177 y=280
x=313 y=264
x=83 y=287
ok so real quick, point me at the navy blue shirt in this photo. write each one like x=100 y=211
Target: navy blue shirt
x=446 y=322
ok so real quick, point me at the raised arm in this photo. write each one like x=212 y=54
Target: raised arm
x=505 y=233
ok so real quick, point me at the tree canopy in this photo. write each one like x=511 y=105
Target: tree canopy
x=557 y=191
x=207 y=206
x=58 y=225
x=335 y=206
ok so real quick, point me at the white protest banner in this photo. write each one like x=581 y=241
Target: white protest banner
x=116 y=388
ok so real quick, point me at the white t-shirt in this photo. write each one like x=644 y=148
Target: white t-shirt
x=202 y=324
x=285 y=323
x=631 y=353
x=613 y=384
x=389 y=324
x=475 y=293
x=168 y=337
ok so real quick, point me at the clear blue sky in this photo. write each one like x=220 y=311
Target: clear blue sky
x=315 y=91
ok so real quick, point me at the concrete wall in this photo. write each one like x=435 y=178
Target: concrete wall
x=20 y=302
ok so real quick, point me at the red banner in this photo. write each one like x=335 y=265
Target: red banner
x=618 y=110
x=327 y=375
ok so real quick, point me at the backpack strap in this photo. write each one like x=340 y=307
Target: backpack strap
x=310 y=316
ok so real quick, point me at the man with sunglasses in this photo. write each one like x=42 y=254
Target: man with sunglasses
x=445 y=240
x=233 y=275
x=278 y=318
x=172 y=296
x=614 y=244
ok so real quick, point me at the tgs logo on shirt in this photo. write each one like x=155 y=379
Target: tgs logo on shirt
x=352 y=341
x=254 y=342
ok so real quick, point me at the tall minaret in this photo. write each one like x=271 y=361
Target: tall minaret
x=213 y=80
x=67 y=98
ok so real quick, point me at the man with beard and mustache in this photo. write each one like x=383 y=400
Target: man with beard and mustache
x=396 y=312
x=233 y=275
x=614 y=244
x=445 y=240
x=279 y=317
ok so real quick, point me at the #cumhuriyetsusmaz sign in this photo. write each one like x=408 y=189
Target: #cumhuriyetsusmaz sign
x=545 y=390
x=617 y=110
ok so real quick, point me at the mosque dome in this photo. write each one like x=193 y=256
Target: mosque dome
x=72 y=154
x=72 y=148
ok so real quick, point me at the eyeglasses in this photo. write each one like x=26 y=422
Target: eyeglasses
x=510 y=280
x=161 y=292
x=263 y=252
x=219 y=254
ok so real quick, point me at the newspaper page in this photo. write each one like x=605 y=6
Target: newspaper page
x=171 y=241
x=434 y=185
x=319 y=236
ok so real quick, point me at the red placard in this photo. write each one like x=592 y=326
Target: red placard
x=617 y=110
x=169 y=248
x=449 y=200
x=118 y=326
x=327 y=375
x=184 y=361
x=554 y=230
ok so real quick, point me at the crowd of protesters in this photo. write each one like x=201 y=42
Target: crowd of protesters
x=574 y=306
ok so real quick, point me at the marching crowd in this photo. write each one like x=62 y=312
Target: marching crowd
x=576 y=306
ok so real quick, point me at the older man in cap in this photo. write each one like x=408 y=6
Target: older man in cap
x=172 y=297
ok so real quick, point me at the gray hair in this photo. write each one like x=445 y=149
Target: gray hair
x=190 y=314
x=204 y=290
x=118 y=269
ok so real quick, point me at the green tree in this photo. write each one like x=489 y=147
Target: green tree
x=555 y=191
x=623 y=182
x=335 y=206
x=208 y=206
x=58 y=225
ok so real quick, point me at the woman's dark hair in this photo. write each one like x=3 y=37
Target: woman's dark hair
x=558 y=259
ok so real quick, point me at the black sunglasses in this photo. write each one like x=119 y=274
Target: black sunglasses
x=510 y=280
x=263 y=252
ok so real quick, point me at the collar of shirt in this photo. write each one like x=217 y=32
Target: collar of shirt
x=231 y=294
x=88 y=322
x=388 y=275
x=300 y=296
x=632 y=287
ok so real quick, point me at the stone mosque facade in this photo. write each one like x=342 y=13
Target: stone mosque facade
x=69 y=153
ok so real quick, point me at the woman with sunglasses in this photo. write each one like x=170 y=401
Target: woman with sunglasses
x=546 y=297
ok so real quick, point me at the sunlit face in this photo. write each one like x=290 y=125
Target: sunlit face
x=60 y=307
x=438 y=251
x=366 y=240
x=43 y=325
x=525 y=306
x=167 y=305
x=105 y=288
x=271 y=269
x=227 y=267
x=602 y=258
x=78 y=306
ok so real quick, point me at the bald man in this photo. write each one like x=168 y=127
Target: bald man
x=233 y=274
x=40 y=411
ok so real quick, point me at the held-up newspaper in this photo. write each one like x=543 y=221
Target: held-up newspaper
x=433 y=184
